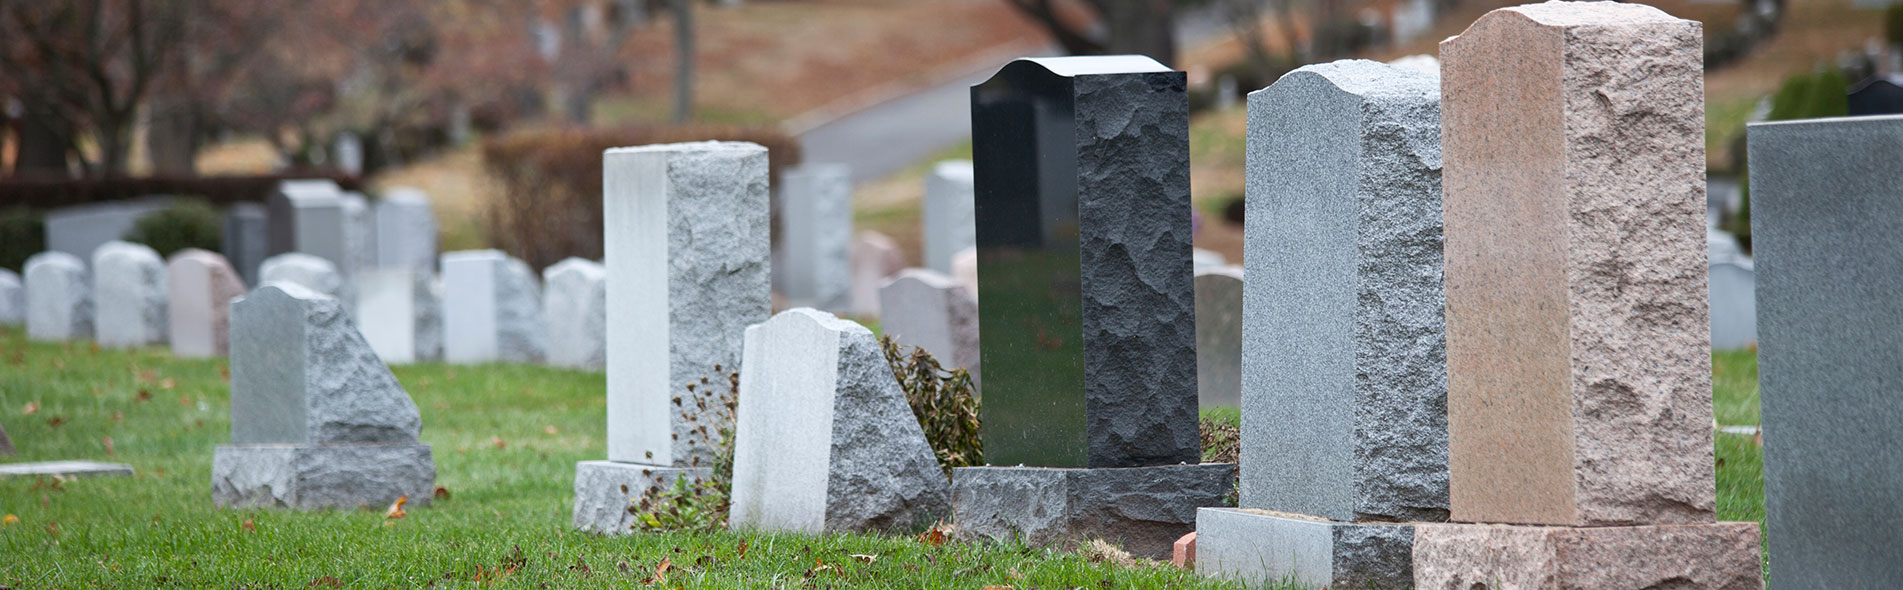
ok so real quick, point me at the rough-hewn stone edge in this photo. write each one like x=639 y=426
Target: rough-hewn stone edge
x=605 y=492
x=1721 y=555
x=1142 y=509
x=321 y=477
x=1249 y=546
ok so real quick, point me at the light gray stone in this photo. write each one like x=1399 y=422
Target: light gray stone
x=575 y=305
x=816 y=228
x=360 y=236
x=688 y=262
x=492 y=309
x=399 y=315
x=1262 y=548
x=1201 y=259
x=946 y=221
x=1344 y=371
x=201 y=286
x=1143 y=509
x=607 y=493
x=62 y=468
x=129 y=296
x=301 y=374
x=825 y=440
x=319 y=477
x=246 y=239
x=306 y=270
x=58 y=297
x=929 y=310
x=1825 y=203
x=81 y=229
x=12 y=299
x=316 y=217
x=1734 y=303
x=874 y=257
x=406 y=230
x=1219 y=336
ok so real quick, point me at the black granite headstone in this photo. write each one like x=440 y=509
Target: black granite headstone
x=1087 y=325
x=1876 y=96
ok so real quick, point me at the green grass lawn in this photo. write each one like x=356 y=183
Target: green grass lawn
x=506 y=439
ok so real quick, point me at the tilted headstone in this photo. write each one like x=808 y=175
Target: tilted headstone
x=946 y=221
x=929 y=310
x=59 y=302
x=80 y=229
x=1219 y=336
x=1344 y=374
x=492 y=309
x=1088 y=317
x=817 y=232
x=824 y=439
x=310 y=271
x=201 y=286
x=12 y=299
x=246 y=239
x=406 y=230
x=400 y=314
x=687 y=256
x=1824 y=203
x=128 y=295
x=575 y=303
x=874 y=257
x=317 y=420
x=1578 y=343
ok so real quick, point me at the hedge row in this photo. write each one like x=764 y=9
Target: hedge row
x=41 y=193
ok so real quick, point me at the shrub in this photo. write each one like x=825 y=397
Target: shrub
x=1803 y=96
x=189 y=223
x=945 y=402
x=1893 y=24
x=698 y=505
x=22 y=234
x=549 y=203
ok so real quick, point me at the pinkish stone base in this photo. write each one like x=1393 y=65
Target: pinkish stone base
x=1720 y=556
x=1183 y=555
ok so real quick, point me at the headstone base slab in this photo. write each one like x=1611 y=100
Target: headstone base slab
x=1143 y=509
x=1260 y=547
x=319 y=477
x=605 y=491
x=57 y=468
x=1721 y=555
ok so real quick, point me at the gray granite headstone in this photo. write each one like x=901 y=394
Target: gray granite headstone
x=1825 y=202
x=575 y=305
x=201 y=286
x=80 y=229
x=1219 y=336
x=12 y=299
x=492 y=309
x=406 y=230
x=825 y=440
x=310 y=271
x=246 y=239
x=316 y=217
x=946 y=222
x=129 y=295
x=929 y=310
x=59 y=303
x=816 y=233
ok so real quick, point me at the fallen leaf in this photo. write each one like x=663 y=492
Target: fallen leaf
x=167 y=383
x=9 y=519
x=52 y=528
x=144 y=396
x=550 y=429
x=30 y=408
x=184 y=401
x=108 y=441
x=743 y=549
x=248 y=526
x=325 y=582
x=865 y=558
x=936 y=535
x=442 y=493
x=498 y=442
x=1757 y=438
x=55 y=421
x=148 y=376
x=396 y=508
x=997 y=588
x=118 y=417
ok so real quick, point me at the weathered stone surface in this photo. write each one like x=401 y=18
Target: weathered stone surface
x=63 y=468
x=128 y=295
x=302 y=375
x=246 y=239
x=405 y=230
x=318 y=477
x=492 y=309
x=1091 y=361
x=1577 y=328
x=929 y=310
x=607 y=492
x=58 y=297
x=80 y=229
x=302 y=269
x=1825 y=200
x=1219 y=336
x=946 y=222
x=874 y=257
x=825 y=440
x=12 y=299
x=1344 y=371
x=399 y=314
x=201 y=286
x=1143 y=509
x=816 y=233
x=687 y=256
x=1502 y=557
x=575 y=303
x=1260 y=548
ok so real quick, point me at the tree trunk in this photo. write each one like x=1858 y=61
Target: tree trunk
x=683 y=60
x=171 y=137
x=1142 y=27
x=44 y=143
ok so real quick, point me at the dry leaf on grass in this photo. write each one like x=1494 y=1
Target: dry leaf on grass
x=396 y=508
x=30 y=408
x=441 y=493
x=865 y=558
x=248 y=526
x=9 y=519
x=498 y=442
x=1099 y=551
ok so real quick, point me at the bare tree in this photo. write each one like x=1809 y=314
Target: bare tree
x=1144 y=27
x=684 y=60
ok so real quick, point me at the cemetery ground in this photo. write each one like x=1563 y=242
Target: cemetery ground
x=506 y=440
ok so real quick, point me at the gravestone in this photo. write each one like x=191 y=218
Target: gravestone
x=1344 y=374
x=315 y=217
x=317 y=420
x=1201 y=259
x=688 y=270
x=400 y=314
x=1876 y=96
x=946 y=222
x=64 y=469
x=80 y=229
x=825 y=440
x=1088 y=320
x=492 y=309
x=965 y=270
x=929 y=310
x=310 y=271
x=360 y=234
x=874 y=257
x=58 y=297
x=406 y=230
x=12 y=299
x=1588 y=357
x=246 y=239
x=1734 y=303
x=817 y=226
x=1219 y=336
x=200 y=286
x=1823 y=197
x=128 y=295
x=575 y=303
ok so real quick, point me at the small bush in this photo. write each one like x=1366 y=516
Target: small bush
x=22 y=234
x=190 y=223
x=698 y=505
x=944 y=401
